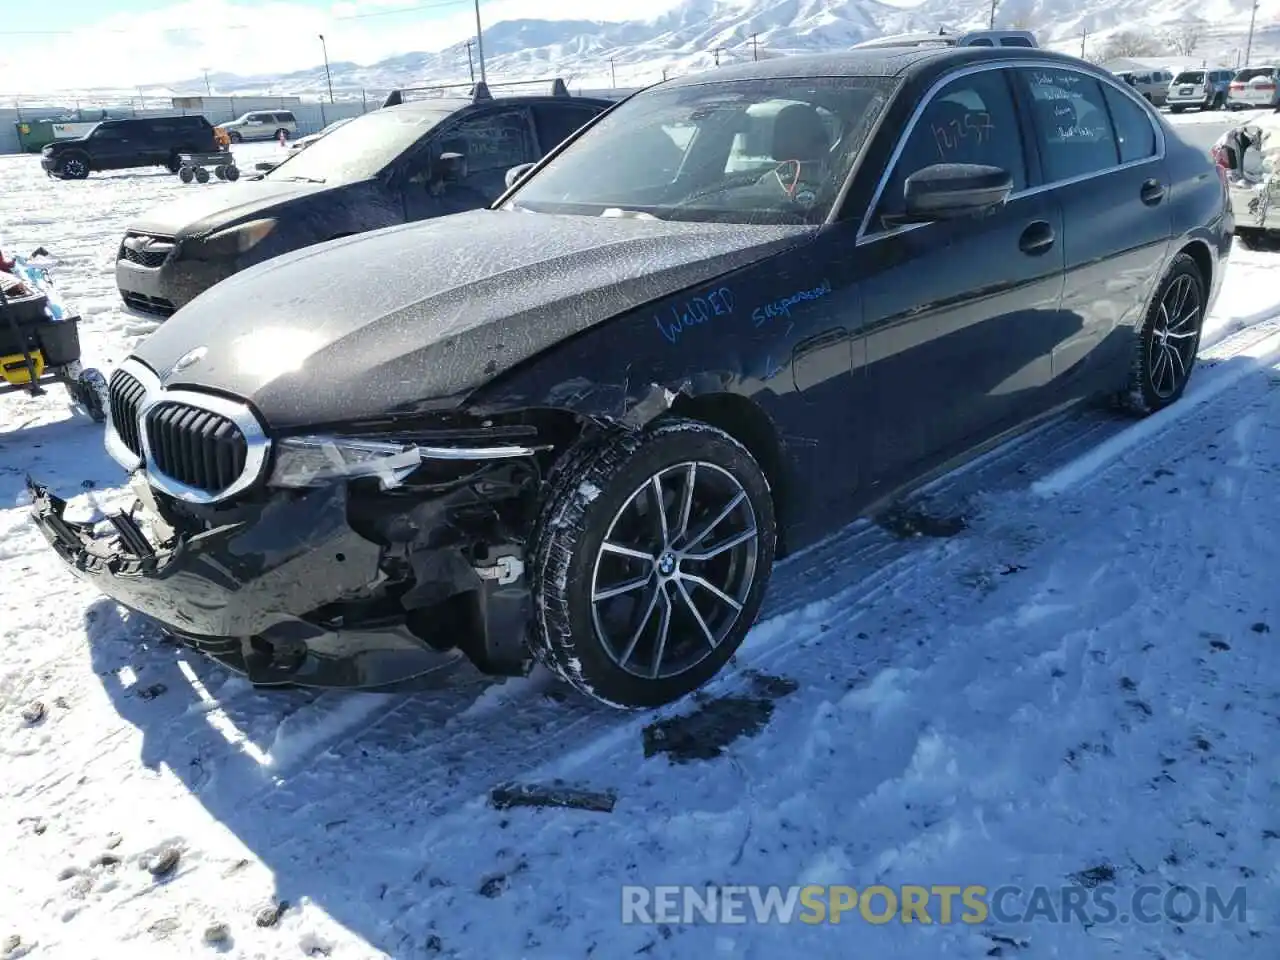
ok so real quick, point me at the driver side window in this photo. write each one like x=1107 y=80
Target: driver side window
x=970 y=120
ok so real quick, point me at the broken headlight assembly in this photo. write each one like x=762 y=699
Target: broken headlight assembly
x=312 y=461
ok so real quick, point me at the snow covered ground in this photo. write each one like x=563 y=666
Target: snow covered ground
x=1080 y=683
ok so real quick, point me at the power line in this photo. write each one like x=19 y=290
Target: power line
x=435 y=5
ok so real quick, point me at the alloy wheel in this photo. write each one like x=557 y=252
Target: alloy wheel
x=73 y=168
x=674 y=570
x=1175 y=334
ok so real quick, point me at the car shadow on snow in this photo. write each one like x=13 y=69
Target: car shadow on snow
x=309 y=781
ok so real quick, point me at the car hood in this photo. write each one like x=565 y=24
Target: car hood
x=207 y=210
x=374 y=324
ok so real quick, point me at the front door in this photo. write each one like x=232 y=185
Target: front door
x=112 y=147
x=493 y=141
x=961 y=318
x=1099 y=151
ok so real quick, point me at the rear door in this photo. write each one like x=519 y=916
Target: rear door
x=1101 y=156
x=961 y=317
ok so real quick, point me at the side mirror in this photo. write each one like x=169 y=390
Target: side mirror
x=451 y=167
x=517 y=173
x=952 y=191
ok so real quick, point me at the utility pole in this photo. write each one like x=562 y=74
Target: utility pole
x=613 y=73
x=471 y=63
x=993 y=13
x=755 y=47
x=207 y=88
x=717 y=52
x=1084 y=36
x=327 y=76
x=1248 y=47
x=480 y=44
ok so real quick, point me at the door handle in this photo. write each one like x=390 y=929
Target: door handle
x=1036 y=239
x=1152 y=192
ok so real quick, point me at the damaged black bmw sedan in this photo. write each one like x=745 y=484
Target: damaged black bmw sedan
x=732 y=314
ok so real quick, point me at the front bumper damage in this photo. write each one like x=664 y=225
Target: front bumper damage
x=290 y=592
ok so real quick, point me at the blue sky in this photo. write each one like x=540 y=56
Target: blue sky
x=132 y=43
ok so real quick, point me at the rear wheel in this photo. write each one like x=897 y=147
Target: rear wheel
x=202 y=175
x=650 y=562
x=232 y=172
x=1165 y=351
x=186 y=174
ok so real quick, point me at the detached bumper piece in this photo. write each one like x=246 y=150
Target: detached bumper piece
x=252 y=593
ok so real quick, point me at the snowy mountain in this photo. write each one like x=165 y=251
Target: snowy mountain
x=697 y=34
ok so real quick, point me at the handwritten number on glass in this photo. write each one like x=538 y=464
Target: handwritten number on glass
x=976 y=128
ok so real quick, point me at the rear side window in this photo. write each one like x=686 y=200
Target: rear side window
x=556 y=123
x=971 y=120
x=1073 y=125
x=284 y=118
x=1134 y=132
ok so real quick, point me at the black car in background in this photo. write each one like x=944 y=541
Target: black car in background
x=421 y=159
x=734 y=313
x=124 y=144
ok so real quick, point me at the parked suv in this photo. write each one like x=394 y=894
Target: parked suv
x=1254 y=87
x=1153 y=85
x=1204 y=89
x=261 y=125
x=122 y=144
x=422 y=159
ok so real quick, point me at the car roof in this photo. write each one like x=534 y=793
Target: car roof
x=873 y=62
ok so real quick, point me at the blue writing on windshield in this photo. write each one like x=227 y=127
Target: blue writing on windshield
x=782 y=308
x=694 y=312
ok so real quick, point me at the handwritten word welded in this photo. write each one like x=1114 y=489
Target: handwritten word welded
x=694 y=312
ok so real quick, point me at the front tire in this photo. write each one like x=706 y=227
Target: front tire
x=650 y=562
x=74 y=167
x=234 y=136
x=1166 y=348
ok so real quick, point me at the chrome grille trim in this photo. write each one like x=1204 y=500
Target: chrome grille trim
x=258 y=446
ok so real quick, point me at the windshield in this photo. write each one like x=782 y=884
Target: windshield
x=1190 y=76
x=744 y=151
x=362 y=148
x=1255 y=73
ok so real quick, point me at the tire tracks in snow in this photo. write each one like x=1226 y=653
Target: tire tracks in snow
x=433 y=758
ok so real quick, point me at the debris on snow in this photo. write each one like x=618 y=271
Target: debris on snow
x=269 y=914
x=33 y=713
x=554 y=794
x=163 y=862
x=716 y=723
